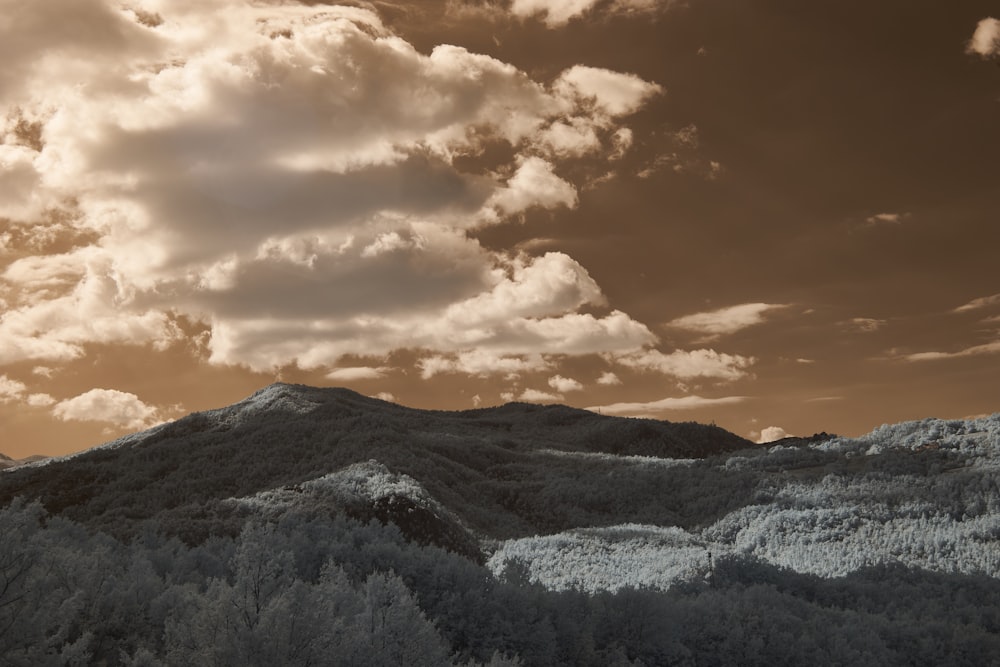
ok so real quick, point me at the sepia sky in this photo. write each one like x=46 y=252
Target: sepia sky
x=780 y=216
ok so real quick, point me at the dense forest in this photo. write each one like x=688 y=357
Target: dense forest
x=312 y=527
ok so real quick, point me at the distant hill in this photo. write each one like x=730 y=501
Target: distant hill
x=8 y=462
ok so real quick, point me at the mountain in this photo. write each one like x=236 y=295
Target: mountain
x=8 y=462
x=494 y=468
x=307 y=526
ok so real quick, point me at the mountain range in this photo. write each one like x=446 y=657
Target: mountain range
x=547 y=501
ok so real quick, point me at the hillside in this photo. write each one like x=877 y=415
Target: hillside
x=494 y=468
x=522 y=534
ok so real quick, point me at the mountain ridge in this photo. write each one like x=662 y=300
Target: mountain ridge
x=283 y=435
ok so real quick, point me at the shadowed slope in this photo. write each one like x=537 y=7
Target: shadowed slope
x=503 y=472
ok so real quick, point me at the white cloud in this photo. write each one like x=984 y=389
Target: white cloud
x=107 y=405
x=556 y=13
x=687 y=365
x=985 y=40
x=40 y=400
x=982 y=302
x=298 y=194
x=480 y=363
x=564 y=385
x=726 y=320
x=536 y=396
x=43 y=371
x=614 y=93
x=608 y=379
x=385 y=396
x=534 y=184
x=772 y=433
x=351 y=373
x=974 y=351
x=666 y=405
x=886 y=218
x=553 y=12
x=11 y=390
x=621 y=141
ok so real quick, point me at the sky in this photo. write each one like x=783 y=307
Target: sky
x=774 y=215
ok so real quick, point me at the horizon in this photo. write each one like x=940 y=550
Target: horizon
x=774 y=217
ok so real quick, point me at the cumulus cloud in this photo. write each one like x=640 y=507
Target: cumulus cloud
x=772 y=433
x=688 y=365
x=666 y=405
x=608 y=379
x=107 y=405
x=726 y=320
x=15 y=391
x=40 y=400
x=553 y=12
x=11 y=390
x=985 y=40
x=613 y=93
x=285 y=175
x=564 y=385
x=534 y=184
x=537 y=396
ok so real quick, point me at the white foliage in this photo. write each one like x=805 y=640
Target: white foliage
x=830 y=526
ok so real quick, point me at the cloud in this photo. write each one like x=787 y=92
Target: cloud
x=107 y=405
x=556 y=13
x=772 y=433
x=40 y=400
x=608 y=379
x=385 y=396
x=726 y=320
x=886 y=218
x=15 y=391
x=686 y=365
x=11 y=390
x=985 y=40
x=553 y=12
x=982 y=302
x=564 y=385
x=480 y=363
x=534 y=184
x=287 y=176
x=613 y=93
x=974 y=351
x=536 y=396
x=866 y=324
x=351 y=373
x=666 y=405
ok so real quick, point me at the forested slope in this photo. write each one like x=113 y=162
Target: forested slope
x=313 y=527
x=497 y=469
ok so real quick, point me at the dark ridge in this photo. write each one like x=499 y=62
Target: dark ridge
x=497 y=469
x=803 y=441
